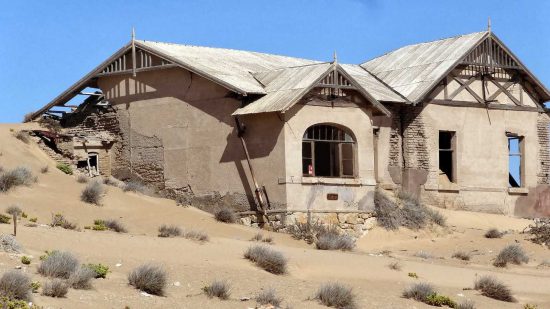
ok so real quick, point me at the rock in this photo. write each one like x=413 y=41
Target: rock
x=146 y=294
x=244 y=298
x=18 y=267
x=369 y=223
x=118 y=265
x=177 y=283
x=246 y=221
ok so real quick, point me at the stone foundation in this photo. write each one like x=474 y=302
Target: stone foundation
x=354 y=223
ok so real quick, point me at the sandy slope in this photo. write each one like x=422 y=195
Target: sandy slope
x=193 y=264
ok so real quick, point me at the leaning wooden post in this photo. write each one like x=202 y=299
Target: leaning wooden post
x=14 y=224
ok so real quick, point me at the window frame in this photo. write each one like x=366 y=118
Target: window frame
x=344 y=137
x=520 y=154
x=452 y=150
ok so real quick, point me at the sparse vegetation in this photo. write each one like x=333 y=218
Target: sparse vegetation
x=134 y=186
x=33 y=219
x=112 y=181
x=19 y=176
x=82 y=178
x=540 y=231
x=331 y=239
x=395 y=266
x=148 y=278
x=544 y=264
x=9 y=244
x=225 y=215
x=260 y=237
x=269 y=297
x=440 y=300
x=413 y=275
x=423 y=255
x=14 y=210
x=493 y=233
x=55 y=288
x=419 y=291
x=60 y=220
x=219 y=289
x=406 y=211
x=81 y=278
x=22 y=136
x=306 y=230
x=112 y=224
x=58 y=264
x=44 y=169
x=25 y=260
x=462 y=255
x=196 y=235
x=15 y=285
x=530 y=306
x=467 y=304
x=511 y=254
x=169 y=231
x=100 y=270
x=65 y=168
x=35 y=285
x=267 y=258
x=491 y=287
x=336 y=295
x=92 y=193
x=4 y=219
x=50 y=124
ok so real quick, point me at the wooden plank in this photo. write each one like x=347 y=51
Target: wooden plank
x=506 y=92
x=465 y=86
x=495 y=106
x=159 y=67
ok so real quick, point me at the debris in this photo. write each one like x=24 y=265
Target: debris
x=244 y=298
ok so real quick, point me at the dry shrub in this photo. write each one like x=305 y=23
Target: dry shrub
x=148 y=278
x=423 y=254
x=50 y=124
x=493 y=233
x=306 y=230
x=267 y=258
x=467 y=304
x=259 y=237
x=169 y=231
x=23 y=136
x=82 y=178
x=196 y=235
x=388 y=214
x=269 y=297
x=112 y=181
x=93 y=193
x=81 y=278
x=461 y=255
x=14 y=210
x=9 y=244
x=491 y=287
x=331 y=239
x=135 y=186
x=19 y=176
x=59 y=264
x=218 y=288
x=225 y=215
x=544 y=264
x=115 y=225
x=336 y=295
x=59 y=220
x=55 y=288
x=511 y=254
x=395 y=266
x=419 y=291
x=15 y=285
x=540 y=231
x=44 y=169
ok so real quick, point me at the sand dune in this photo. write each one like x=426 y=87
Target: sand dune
x=194 y=264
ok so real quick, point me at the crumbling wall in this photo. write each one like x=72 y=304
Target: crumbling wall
x=543 y=127
x=147 y=159
x=395 y=137
x=415 y=139
x=93 y=121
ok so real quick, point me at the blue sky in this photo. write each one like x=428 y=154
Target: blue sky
x=45 y=46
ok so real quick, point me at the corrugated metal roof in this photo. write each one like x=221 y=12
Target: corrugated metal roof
x=413 y=70
x=227 y=65
x=372 y=85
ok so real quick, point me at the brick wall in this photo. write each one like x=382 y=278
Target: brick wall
x=415 y=145
x=543 y=125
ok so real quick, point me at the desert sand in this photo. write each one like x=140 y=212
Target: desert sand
x=192 y=265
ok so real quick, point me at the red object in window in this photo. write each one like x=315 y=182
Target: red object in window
x=310 y=170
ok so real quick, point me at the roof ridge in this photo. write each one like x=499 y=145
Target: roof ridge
x=291 y=67
x=227 y=49
x=421 y=43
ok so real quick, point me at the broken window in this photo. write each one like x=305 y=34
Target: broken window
x=328 y=151
x=447 y=155
x=515 y=160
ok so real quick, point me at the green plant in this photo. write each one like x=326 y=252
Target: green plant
x=65 y=168
x=99 y=227
x=35 y=285
x=530 y=306
x=34 y=219
x=413 y=275
x=25 y=260
x=24 y=215
x=440 y=300
x=5 y=219
x=87 y=227
x=99 y=269
x=7 y=303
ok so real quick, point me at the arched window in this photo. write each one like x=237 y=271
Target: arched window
x=328 y=151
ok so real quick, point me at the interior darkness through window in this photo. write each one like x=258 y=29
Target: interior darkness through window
x=446 y=154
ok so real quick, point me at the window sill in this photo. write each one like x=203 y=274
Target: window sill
x=332 y=181
x=518 y=191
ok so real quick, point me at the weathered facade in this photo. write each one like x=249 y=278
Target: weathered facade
x=460 y=122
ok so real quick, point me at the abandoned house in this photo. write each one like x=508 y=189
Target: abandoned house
x=460 y=122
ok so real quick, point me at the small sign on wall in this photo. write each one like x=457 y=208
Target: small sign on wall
x=332 y=196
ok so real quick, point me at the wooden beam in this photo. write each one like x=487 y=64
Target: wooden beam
x=500 y=90
x=159 y=67
x=495 y=106
x=506 y=92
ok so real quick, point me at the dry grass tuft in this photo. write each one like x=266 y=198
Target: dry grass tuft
x=81 y=278
x=467 y=304
x=395 y=266
x=225 y=215
x=44 y=169
x=461 y=255
x=267 y=258
x=135 y=186
x=22 y=136
x=491 y=287
x=9 y=244
x=331 y=239
x=59 y=220
x=419 y=291
x=336 y=295
x=15 y=285
x=511 y=254
x=424 y=255
x=93 y=193
x=149 y=278
x=196 y=235
x=493 y=233
x=169 y=231
x=269 y=297
x=19 y=176
x=82 y=178
x=115 y=225
x=55 y=288
x=59 y=264
x=219 y=289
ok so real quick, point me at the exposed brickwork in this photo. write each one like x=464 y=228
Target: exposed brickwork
x=93 y=121
x=543 y=172
x=395 y=137
x=415 y=145
x=147 y=159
